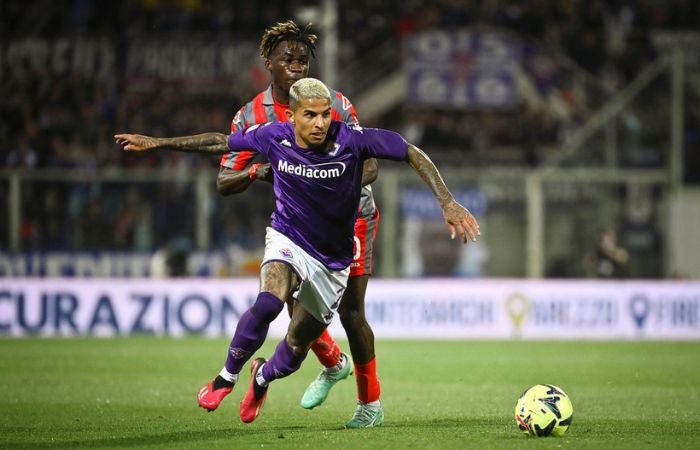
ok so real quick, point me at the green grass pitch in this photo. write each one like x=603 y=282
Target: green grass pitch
x=141 y=393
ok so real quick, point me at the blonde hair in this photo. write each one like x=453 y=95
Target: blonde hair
x=307 y=88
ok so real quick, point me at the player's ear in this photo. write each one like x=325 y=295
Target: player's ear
x=268 y=63
x=290 y=116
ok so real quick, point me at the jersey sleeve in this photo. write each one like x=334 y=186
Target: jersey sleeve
x=253 y=139
x=238 y=122
x=240 y=160
x=381 y=144
x=345 y=110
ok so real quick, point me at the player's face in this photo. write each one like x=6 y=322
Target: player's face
x=311 y=121
x=288 y=62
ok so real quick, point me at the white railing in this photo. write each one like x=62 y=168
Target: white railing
x=523 y=209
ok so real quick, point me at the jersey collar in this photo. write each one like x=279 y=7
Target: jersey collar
x=268 y=98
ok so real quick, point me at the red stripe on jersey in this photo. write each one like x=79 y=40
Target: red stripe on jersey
x=365 y=235
x=239 y=160
x=281 y=111
x=259 y=109
x=360 y=238
x=335 y=115
x=242 y=159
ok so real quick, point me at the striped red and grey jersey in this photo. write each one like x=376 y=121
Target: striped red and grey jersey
x=264 y=108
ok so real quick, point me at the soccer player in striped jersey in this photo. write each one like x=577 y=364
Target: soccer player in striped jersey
x=287 y=50
x=317 y=167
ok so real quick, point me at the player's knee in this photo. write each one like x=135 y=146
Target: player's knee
x=266 y=311
x=278 y=278
x=348 y=308
x=350 y=317
x=299 y=341
x=290 y=307
x=298 y=347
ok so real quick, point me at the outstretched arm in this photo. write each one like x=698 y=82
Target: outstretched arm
x=214 y=143
x=227 y=182
x=457 y=217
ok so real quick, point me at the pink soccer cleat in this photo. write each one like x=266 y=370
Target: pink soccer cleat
x=252 y=403
x=210 y=399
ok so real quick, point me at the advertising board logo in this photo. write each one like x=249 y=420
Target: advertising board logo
x=640 y=308
x=518 y=306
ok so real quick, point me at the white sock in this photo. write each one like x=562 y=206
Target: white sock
x=338 y=367
x=259 y=377
x=228 y=376
x=374 y=405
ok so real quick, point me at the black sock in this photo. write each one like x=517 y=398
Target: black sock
x=258 y=391
x=220 y=382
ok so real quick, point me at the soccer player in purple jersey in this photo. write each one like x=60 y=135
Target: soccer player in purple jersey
x=287 y=49
x=316 y=164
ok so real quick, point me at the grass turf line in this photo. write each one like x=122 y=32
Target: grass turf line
x=141 y=393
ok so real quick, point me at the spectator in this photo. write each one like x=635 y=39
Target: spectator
x=609 y=259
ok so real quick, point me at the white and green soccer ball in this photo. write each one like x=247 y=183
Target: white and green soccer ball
x=544 y=410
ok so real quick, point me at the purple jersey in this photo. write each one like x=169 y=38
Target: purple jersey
x=317 y=193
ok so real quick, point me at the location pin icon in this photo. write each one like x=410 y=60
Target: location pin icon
x=518 y=307
x=639 y=307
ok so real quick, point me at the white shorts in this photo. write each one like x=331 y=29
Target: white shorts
x=321 y=289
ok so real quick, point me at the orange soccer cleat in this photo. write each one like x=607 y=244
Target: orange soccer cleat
x=210 y=398
x=254 y=398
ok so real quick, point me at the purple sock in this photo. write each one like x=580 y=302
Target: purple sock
x=284 y=362
x=251 y=330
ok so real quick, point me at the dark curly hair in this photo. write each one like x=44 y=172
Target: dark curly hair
x=287 y=31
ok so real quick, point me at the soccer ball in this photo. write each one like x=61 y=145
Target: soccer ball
x=544 y=410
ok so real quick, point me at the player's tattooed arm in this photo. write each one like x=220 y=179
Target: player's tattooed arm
x=457 y=217
x=429 y=173
x=231 y=181
x=370 y=171
x=199 y=143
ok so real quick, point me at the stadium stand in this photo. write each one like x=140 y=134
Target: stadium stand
x=70 y=80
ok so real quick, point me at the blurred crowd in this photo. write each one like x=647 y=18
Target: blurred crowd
x=577 y=53
x=67 y=120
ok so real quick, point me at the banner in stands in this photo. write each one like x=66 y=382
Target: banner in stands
x=108 y=264
x=407 y=309
x=458 y=69
x=193 y=65
x=94 y=59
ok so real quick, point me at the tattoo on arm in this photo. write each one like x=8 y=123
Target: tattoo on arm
x=429 y=173
x=199 y=143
